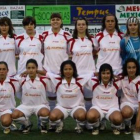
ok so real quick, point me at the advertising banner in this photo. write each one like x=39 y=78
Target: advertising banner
x=15 y=12
x=93 y=14
x=123 y=12
x=42 y=13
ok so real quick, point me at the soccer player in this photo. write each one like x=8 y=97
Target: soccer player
x=130 y=44
x=7 y=44
x=107 y=43
x=81 y=50
x=55 y=48
x=105 y=101
x=55 y=45
x=70 y=99
x=8 y=88
x=33 y=98
x=130 y=86
x=29 y=45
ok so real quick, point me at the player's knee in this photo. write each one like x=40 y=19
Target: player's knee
x=6 y=122
x=81 y=116
x=15 y=115
x=117 y=119
x=91 y=117
x=53 y=117
x=127 y=113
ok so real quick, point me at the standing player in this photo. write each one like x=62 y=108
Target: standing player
x=107 y=43
x=70 y=99
x=8 y=88
x=81 y=50
x=105 y=101
x=29 y=45
x=7 y=44
x=33 y=99
x=55 y=45
x=130 y=87
x=130 y=44
x=55 y=48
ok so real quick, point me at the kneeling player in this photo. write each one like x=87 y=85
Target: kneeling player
x=70 y=99
x=130 y=87
x=105 y=101
x=33 y=98
x=8 y=88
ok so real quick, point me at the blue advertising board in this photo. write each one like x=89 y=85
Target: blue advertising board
x=93 y=14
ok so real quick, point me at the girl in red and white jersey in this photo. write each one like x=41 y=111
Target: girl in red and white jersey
x=70 y=99
x=55 y=45
x=29 y=45
x=107 y=44
x=81 y=50
x=8 y=88
x=105 y=101
x=33 y=98
x=55 y=48
x=130 y=98
x=7 y=44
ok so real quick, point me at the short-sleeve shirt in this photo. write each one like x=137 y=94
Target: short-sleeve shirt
x=28 y=48
x=55 y=50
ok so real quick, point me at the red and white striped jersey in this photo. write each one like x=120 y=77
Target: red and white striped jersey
x=29 y=47
x=7 y=53
x=8 y=89
x=104 y=96
x=130 y=90
x=69 y=95
x=109 y=49
x=34 y=91
x=55 y=50
x=82 y=55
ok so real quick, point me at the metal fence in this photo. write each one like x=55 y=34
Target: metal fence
x=66 y=2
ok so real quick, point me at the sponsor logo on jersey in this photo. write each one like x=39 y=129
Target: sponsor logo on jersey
x=68 y=96
x=28 y=53
x=104 y=97
x=55 y=48
x=110 y=50
x=6 y=50
x=32 y=94
x=80 y=54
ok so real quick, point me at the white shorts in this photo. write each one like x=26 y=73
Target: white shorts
x=29 y=110
x=8 y=111
x=103 y=113
x=69 y=112
x=132 y=106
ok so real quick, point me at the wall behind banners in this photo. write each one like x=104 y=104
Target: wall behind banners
x=93 y=30
x=92 y=13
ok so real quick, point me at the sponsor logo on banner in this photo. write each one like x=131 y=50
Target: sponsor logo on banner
x=123 y=12
x=15 y=12
x=42 y=13
x=93 y=14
